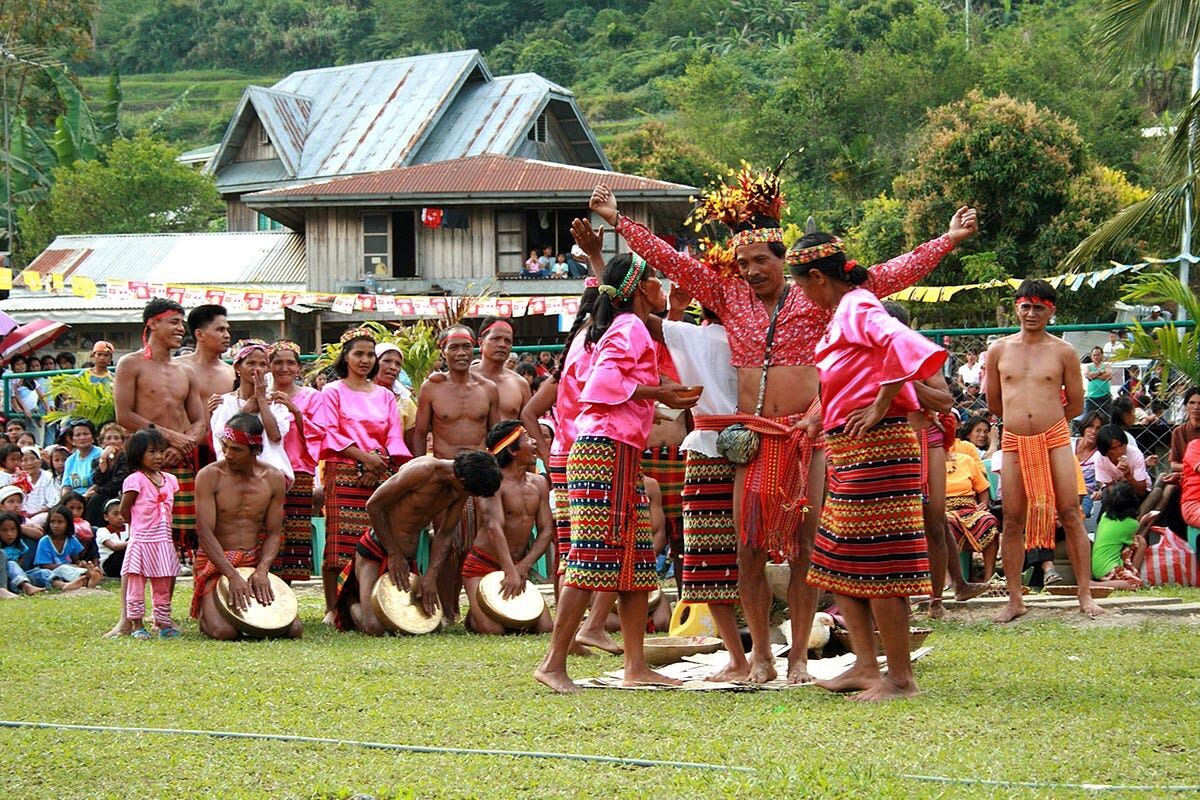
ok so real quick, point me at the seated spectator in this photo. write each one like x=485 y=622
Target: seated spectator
x=1119 y=461
x=26 y=440
x=110 y=473
x=1120 y=546
x=967 y=516
x=12 y=550
x=10 y=464
x=73 y=502
x=546 y=261
x=58 y=551
x=65 y=359
x=26 y=399
x=577 y=263
x=1188 y=430
x=13 y=430
x=545 y=363
x=972 y=402
x=533 y=266
x=12 y=498
x=527 y=371
x=112 y=539
x=77 y=473
x=58 y=463
x=560 y=268
x=45 y=494
x=1189 y=481
x=980 y=432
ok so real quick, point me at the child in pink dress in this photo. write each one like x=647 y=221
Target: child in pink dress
x=147 y=501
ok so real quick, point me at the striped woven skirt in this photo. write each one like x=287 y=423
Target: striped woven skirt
x=973 y=526
x=345 y=511
x=294 y=562
x=710 y=571
x=561 y=507
x=871 y=541
x=183 y=512
x=612 y=545
x=666 y=465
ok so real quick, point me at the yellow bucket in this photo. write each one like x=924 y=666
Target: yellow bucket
x=693 y=619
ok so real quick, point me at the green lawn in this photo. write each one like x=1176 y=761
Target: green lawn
x=1044 y=700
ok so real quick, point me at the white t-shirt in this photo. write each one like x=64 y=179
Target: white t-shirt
x=969 y=373
x=272 y=452
x=1107 y=472
x=46 y=493
x=104 y=536
x=702 y=357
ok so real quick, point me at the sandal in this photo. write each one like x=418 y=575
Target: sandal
x=169 y=633
x=1051 y=577
x=141 y=634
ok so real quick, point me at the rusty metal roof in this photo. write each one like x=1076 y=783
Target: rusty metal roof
x=474 y=177
x=273 y=257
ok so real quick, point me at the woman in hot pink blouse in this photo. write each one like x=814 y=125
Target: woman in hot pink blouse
x=364 y=442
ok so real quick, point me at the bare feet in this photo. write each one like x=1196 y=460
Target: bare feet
x=93 y=578
x=558 y=681
x=5 y=594
x=579 y=649
x=887 y=689
x=936 y=609
x=731 y=672
x=855 y=679
x=78 y=583
x=600 y=641
x=798 y=672
x=29 y=588
x=122 y=628
x=1014 y=609
x=965 y=591
x=644 y=676
x=762 y=670
x=1089 y=608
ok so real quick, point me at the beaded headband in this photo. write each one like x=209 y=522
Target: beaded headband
x=508 y=440
x=357 y=333
x=241 y=437
x=591 y=283
x=621 y=293
x=804 y=255
x=281 y=345
x=755 y=236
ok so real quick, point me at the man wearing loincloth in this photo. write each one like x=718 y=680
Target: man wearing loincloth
x=504 y=544
x=424 y=488
x=209 y=326
x=150 y=389
x=778 y=495
x=1034 y=385
x=495 y=345
x=459 y=409
x=239 y=518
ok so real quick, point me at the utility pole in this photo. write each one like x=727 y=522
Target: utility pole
x=1185 y=238
x=967 y=22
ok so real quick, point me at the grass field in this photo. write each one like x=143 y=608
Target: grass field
x=1055 y=700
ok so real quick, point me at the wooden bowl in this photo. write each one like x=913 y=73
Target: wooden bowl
x=691 y=391
x=662 y=650
x=917 y=637
x=1065 y=590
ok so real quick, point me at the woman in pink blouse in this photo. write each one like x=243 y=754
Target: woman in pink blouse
x=611 y=540
x=302 y=445
x=364 y=441
x=870 y=549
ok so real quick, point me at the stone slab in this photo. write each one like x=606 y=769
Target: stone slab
x=1169 y=610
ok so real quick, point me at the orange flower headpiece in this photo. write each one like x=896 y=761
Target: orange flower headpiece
x=746 y=195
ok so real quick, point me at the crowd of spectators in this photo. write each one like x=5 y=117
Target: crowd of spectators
x=548 y=264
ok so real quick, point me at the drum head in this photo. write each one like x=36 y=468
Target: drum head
x=518 y=612
x=397 y=611
x=259 y=620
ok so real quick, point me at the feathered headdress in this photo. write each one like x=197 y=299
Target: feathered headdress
x=746 y=195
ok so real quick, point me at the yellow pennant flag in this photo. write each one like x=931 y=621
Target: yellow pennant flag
x=32 y=279
x=83 y=287
x=57 y=281
x=6 y=276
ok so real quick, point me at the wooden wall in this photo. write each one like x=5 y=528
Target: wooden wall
x=252 y=148
x=450 y=253
x=333 y=243
x=239 y=216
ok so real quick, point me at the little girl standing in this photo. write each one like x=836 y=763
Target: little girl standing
x=148 y=499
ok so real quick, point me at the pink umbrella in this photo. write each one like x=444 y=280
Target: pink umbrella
x=29 y=337
x=7 y=324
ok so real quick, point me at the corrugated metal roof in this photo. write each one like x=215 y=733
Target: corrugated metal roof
x=286 y=116
x=274 y=257
x=476 y=175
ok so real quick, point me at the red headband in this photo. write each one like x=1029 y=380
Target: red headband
x=146 y=331
x=458 y=335
x=241 y=437
x=1036 y=301
x=508 y=441
x=497 y=324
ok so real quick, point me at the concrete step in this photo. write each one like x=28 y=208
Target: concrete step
x=1133 y=602
x=1169 y=609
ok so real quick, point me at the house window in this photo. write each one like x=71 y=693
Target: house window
x=510 y=242
x=376 y=239
x=264 y=223
x=263 y=137
x=538 y=132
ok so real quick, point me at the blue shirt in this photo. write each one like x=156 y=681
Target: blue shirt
x=77 y=472
x=16 y=550
x=46 y=554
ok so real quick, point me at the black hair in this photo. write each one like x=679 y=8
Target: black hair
x=896 y=310
x=831 y=266
x=1037 y=289
x=202 y=316
x=15 y=519
x=606 y=308
x=65 y=513
x=156 y=306
x=87 y=423
x=759 y=221
x=488 y=322
x=7 y=450
x=587 y=304
x=69 y=496
x=342 y=369
x=1190 y=393
x=1120 y=501
x=496 y=435
x=526 y=369
x=21 y=422
x=537 y=382
x=1120 y=407
x=964 y=432
x=478 y=471
x=148 y=438
x=1109 y=435
x=249 y=424
x=66 y=355
x=1088 y=419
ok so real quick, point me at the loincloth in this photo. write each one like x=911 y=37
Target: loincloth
x=367 y=547
x=205 y=574
x=478 y=563
x=1033 y=454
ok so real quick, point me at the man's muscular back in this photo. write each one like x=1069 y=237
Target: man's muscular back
x=512 y=389
x=1029 y=374
x=431 y=493
x=210 y=379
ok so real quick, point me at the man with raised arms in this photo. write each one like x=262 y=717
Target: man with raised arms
x=495 y=345
x=458 y=409
x=400 y=508
x=503 y=545
x=238 y=500
x=150 y=389
x=1034 y=385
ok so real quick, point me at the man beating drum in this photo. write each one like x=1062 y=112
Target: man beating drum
x=239 y=499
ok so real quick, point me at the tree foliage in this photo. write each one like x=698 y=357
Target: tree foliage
x=654 y=150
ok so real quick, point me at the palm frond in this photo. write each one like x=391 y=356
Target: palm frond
x=1176 y=158
x=1175 y=348
x=82 y=399
x=1143 y=29
x=1163 y=208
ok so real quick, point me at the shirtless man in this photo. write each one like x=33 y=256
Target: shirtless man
x=524 y=502
x=1026 y=377
x=238 y=499
x=400 y=508
x=495 y=345
x=458 y=409
x=150 y=389
x=210 y=328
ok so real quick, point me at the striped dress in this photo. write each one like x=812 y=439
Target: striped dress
x=151 y=553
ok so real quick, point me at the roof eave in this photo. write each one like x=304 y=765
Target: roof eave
x=454 y=198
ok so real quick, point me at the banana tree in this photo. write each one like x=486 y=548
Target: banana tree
x=1175 y=348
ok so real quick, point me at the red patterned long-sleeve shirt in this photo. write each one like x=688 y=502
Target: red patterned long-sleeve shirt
x=801 y=321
